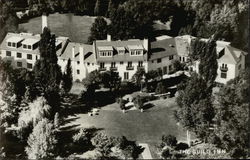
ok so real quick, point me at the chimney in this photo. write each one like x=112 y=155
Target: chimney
x=108 y=37
x=44 y=21
x=73 y=62
x=145 y=44
x=81 y=56
x=73 y=53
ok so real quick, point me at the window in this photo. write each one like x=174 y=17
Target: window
x=159 y=60
x=183 y=59
x=171 y=57
x=78 y=62
x=13 y=44
x=102 y=65
x=88 y=63
x=132 y=53
x=9 y=44
x=121 y=51
x=78 y=71
x=112 y=64
x=126 y=76
x=29 y=56
x=93 y=64
x=170 y=68
x=8 y=53
x=19 y=64
x=105 y=53
x=180 y=58
x=29 y=65
x=223 y=75
x=165 y=70
x=152 y=61
x=37 y=58
x=29 y=46
x=19 y=55
x=140 y=63
x=121 y=63
x=25 y=46
x=138 y=52
x=129 y=64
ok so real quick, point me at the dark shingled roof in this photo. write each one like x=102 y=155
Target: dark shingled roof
x=87 y=51
x=163 y=48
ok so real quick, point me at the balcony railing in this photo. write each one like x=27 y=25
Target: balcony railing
x=225 y=69
x=113 y=68
x=140 y=67
x=102 y=68
x=130 y=67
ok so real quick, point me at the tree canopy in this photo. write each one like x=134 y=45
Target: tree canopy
x=46 y=70
x=232 y=115
x=98 y=30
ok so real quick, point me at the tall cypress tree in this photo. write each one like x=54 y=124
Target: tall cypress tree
x=67 y=77
x=46 y=70
x=208 y=63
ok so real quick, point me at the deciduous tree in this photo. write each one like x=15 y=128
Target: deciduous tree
x=42 y=141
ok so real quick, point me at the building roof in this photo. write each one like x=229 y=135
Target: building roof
x=28 y=38
x=118 y=45
x=87 y=52
x=135 y=47
x=14 y=39
x=231 y=55
x=105 y=48
x=30 y=41
x=163 y=48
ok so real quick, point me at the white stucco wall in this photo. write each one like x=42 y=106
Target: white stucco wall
x=165 y=62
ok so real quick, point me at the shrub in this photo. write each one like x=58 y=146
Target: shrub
x=181 y=146
x=103 y=143
x=160 y=89
x=166 y=154
x=138 y=102
x=42 y=141
x=122 y=103
x=82 y=137
x=169 y=140
x=27 y=119
x=57 y=120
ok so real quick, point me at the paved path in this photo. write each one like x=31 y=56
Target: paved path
x=146 y=154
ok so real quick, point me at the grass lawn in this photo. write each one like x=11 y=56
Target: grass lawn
x=147 y=127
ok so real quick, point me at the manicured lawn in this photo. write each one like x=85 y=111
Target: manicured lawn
x=146 y=127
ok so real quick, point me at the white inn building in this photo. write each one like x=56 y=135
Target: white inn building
x=124 y=57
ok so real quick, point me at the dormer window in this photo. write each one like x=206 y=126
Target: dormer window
x=135 y=50
x=14 y=41
x=120 y=50
x=30 y=44
x=105 y=51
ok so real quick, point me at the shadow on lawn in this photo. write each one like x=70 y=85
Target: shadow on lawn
x=66 y=146
x=148 y=106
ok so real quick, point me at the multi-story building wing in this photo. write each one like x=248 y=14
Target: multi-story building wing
x=83 y=60
x=162 y=54
x=22 y=51
x=124 y=57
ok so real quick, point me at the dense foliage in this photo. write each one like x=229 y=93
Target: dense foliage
x=8 y=18
x=46 y=70
x=98 y=30
x=195 y=106
x=67 y=79
x=42 y=141
x=232 y=116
